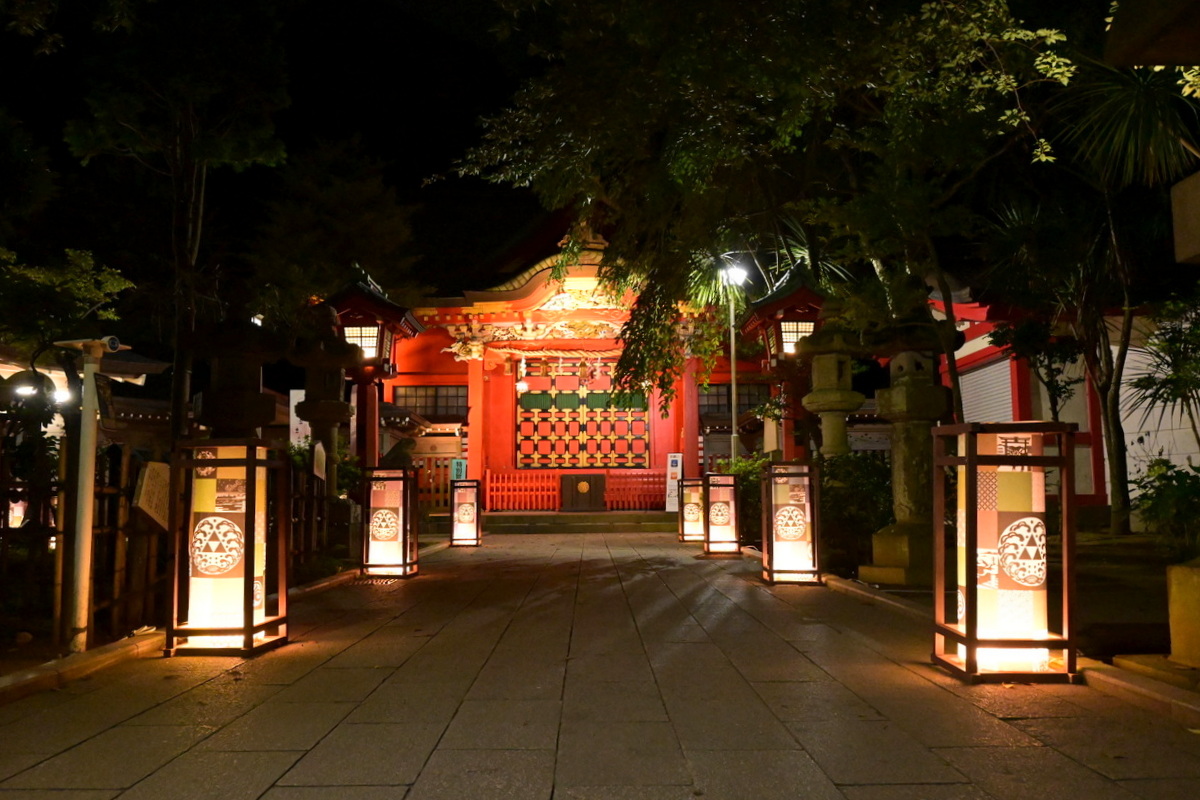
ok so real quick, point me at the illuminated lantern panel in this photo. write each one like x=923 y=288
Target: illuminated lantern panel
x=226 y=548
x=720 y=518
x=1000 y=618
x=789 y=525
x=390 y=540
x=691 y=510
x=466 y=521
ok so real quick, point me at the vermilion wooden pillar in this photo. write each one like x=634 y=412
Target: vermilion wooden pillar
x=476 y=413
x=690 y=446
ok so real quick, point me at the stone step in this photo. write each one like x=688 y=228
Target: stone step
x=568 y=522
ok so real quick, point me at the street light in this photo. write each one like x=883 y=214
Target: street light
x=733 y=275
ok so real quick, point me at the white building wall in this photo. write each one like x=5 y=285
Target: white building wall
x=1156 y=434
x=987 y=393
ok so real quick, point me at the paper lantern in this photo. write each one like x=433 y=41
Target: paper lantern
x=720 y=514
x=390 y=540
x=230 y=548
x=691 y=510
x=466 y=522
x=790 y=524
x=1009 y=619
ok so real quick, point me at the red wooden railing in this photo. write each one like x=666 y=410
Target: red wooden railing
x=531 y=490
x=643 y=490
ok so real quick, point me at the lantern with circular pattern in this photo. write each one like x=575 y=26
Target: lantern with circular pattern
x=466 y=521
x=691 y=510
x=790 y=524
x=1004 y=621
x=231 y=548
x=720 y=514
x=390 y=540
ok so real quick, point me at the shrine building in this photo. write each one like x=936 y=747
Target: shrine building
x=517 y=380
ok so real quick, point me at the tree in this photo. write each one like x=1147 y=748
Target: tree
x=1172 y=380
x=331 y=218
x=1033 y=341
x=682 y=138
x=187 y=88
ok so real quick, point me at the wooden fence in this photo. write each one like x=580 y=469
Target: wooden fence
x=636 y=491
x=433 y=482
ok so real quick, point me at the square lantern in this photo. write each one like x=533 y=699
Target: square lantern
x=231 y=546
x=691 y=510
x=1010 y=618
x=790 y=524
x=466 y=526
x=390 y=543
x=720 y=514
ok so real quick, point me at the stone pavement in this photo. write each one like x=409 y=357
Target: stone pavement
x=583 y=667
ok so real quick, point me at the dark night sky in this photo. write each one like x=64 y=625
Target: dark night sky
x=412 y=78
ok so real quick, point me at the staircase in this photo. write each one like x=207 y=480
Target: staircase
x=568 y=522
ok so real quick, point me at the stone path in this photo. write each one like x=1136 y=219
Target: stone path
x=583 y=667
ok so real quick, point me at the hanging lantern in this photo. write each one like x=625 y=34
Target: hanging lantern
x=691 y=510
x=720 y=517
x=999 y=625
x=790 y=524
x=230 y=549
x=466 y=527
x=390 y=543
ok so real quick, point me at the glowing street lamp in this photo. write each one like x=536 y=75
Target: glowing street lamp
x=733 y=275
x=720 y=517
x=390 y=542
x=790 y=524
x=999 y=628
x=466 y=526
x=691 y=510
x=230 y=541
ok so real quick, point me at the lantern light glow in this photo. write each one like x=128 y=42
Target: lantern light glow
x=790 y=524
x=720 y=517
x=691 y=510
x=466 y=522
x=390 y=538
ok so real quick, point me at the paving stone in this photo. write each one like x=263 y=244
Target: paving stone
x=619 y=753
x=871 y=752
x=59 y=794
x=491 y=774
x=115 y=759
x=624 y=793
x=384 y=648
x=609 y=701
x=760 y=774
x=512 y=680
x=1116 y=752
x=334 y=685
x=624 y=667
x=1162 y=788
x=742 y=723
x=213 y=776
x=1031 y=773
x=366 y=755
x=504 y=725
x=819 y=700
x=336 y=793
x=215 y=703
x=924 y=791
x=432 y=702
x=12 y=763
x=278 y=725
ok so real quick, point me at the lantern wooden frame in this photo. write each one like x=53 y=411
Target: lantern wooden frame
x=390 y=507
x=791 y=523
x=720 y=514
x=958 y=644
x=245 y=473
x=691 y=509
x=466 y=519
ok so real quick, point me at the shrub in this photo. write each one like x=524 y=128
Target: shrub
x=1168 y=502
x=856 y=502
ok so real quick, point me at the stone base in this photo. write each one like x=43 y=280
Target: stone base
x=901 y=555
x=1183 y=602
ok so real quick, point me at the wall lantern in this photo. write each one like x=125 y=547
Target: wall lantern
x=720 y=517
x=390 y=543
x=790 y=524
x=1005 y=622
x=466 y=526
x=230 y=588
x=791 y=332
x=691 y=510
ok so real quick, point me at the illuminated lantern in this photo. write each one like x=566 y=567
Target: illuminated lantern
x=720 y=514
x=230 y=549
x=691 y=510
x=390 y=541
x=997 y=625
x=466 y=524
x=790 y=524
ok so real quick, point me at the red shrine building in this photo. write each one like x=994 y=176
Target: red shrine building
x=517 y=381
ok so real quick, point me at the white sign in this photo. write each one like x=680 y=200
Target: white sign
x=153 y=492
x=674 y=474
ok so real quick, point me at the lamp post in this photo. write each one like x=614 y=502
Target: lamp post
x=733 y=275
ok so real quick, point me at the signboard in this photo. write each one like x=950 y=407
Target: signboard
x=153 y=492
x=318 y=460
x=458 y=469
x=674 y=473
x=298 y=429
